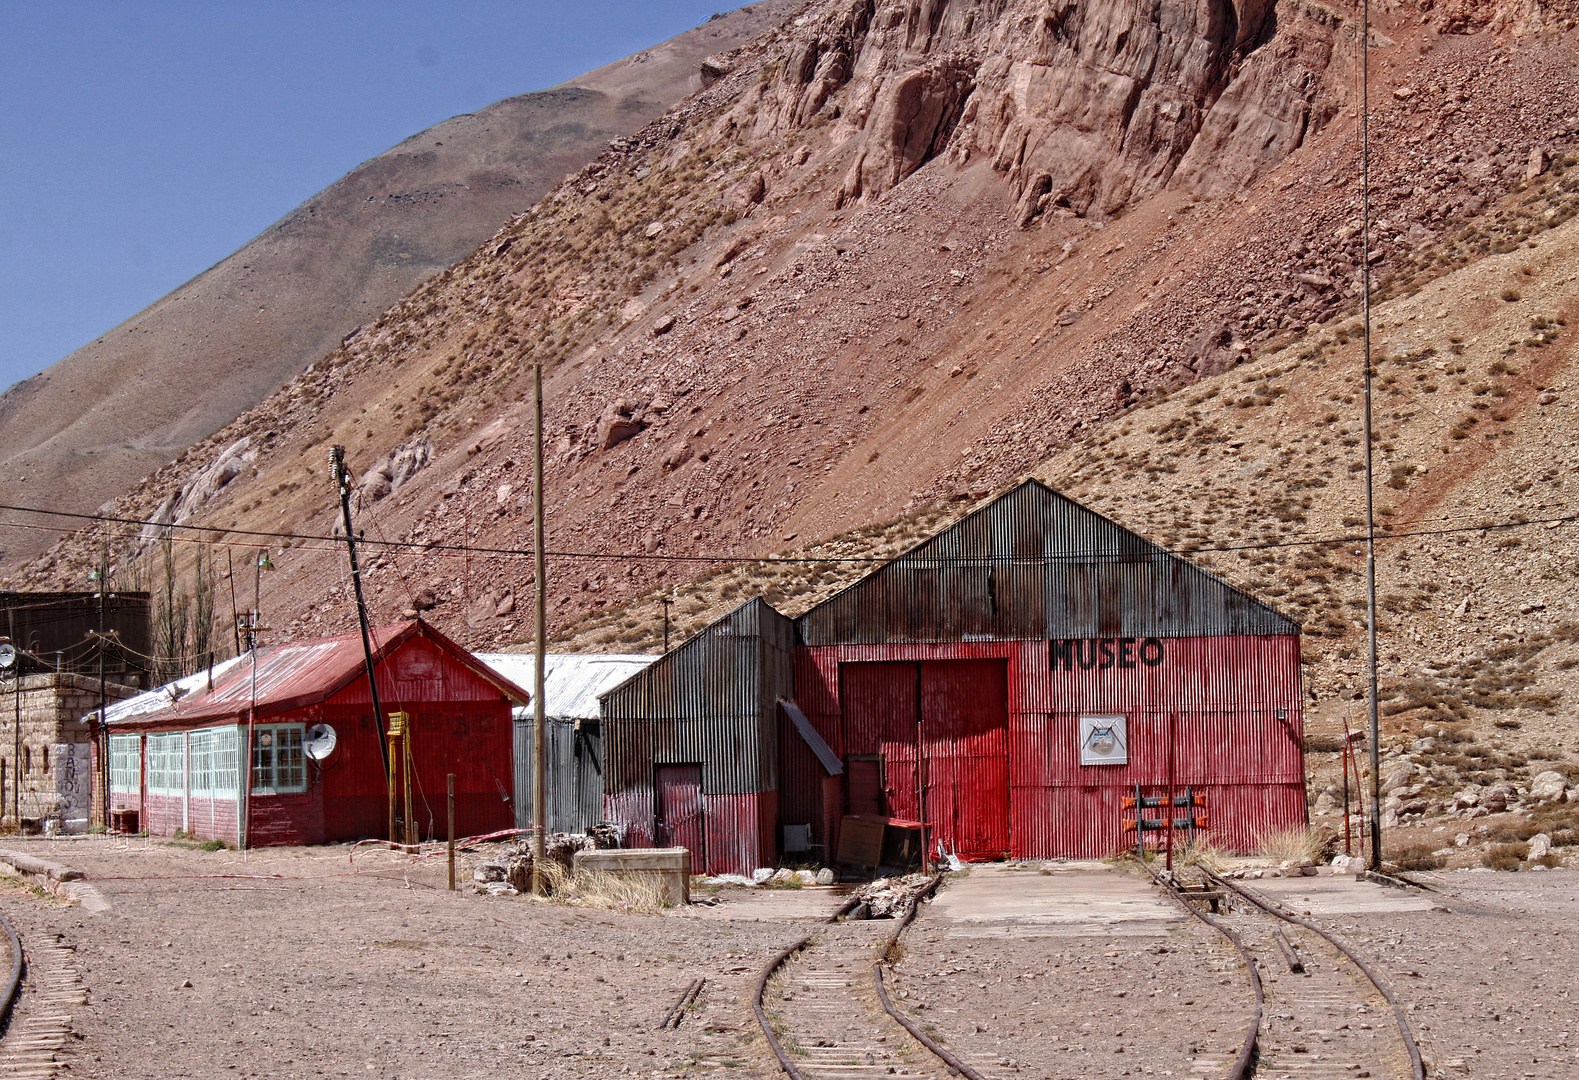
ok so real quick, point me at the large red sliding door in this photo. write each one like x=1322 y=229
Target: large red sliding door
x=955 y=712
x=680 y=813
x=965 y=717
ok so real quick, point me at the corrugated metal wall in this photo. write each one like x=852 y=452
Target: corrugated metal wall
x=1035 y=564
x=1223 y=693
x=575 y=774
x=713 y=702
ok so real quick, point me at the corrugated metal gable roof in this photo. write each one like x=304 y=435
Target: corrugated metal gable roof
x=696 y=677
x=292 y=676
x=1036 y=564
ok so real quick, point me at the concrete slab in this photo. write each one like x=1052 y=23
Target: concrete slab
x=1070 y=899
x=1341 y=896
x=746 y=904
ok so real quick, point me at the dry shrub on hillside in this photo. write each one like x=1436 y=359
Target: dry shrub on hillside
x=1417 y=856
x=1505 y=856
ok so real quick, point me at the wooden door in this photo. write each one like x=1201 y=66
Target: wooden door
x=680 y=811
x=866 y=785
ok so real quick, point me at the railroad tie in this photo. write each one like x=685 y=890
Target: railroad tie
x=41 y=1026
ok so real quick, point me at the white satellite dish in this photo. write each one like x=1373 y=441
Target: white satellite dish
x=7 y=655
x=320 y=742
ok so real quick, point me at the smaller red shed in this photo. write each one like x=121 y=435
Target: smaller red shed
x=174 y=752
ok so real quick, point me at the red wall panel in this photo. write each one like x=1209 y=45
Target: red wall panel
x=287 y=819
x=1209 y=706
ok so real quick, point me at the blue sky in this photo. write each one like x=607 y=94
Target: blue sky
x=145 y=140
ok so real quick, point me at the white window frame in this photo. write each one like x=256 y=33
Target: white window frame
x=266 y=768
x=225 y=753
x=167 y=763
x=126 y=764
x=200 y=777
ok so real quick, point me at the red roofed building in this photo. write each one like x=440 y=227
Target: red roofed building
x=174 y=752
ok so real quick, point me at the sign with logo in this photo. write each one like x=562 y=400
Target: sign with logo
x=1104 y=740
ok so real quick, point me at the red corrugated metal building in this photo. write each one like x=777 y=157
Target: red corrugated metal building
x=174 y=763
x=1035 y=662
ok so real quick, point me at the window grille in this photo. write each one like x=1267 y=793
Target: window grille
x=126 y=764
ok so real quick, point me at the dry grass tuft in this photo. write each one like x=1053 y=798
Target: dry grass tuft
x=642 y=893
x=1296 y=844
x=1200 y=851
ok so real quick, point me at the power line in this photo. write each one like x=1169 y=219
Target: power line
x=446 y=549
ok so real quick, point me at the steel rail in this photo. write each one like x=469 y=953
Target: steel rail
x=886 y=955
x=954 y=1063
x=762 y=1017
x=13 y=983
x=1271 y=907
x=1244 y=1063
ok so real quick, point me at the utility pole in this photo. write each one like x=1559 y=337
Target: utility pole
x=9 y=659
x=539 y=711
x=342 y=483
x=1370 y=497
x=104 y=728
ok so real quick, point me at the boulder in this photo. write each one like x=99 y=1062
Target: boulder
x=1347 y=864
x=713 y=68
x=1549 y=786
x=614 y=429
x=1397 y=776
x=1540 y=846
x=1495 y=798
x=748 y=192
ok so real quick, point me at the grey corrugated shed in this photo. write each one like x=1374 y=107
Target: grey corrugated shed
x=1031 y=565
x=573 y=740
x=572 y=682
x=711 y=701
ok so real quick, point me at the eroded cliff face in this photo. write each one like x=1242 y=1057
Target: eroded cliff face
x=893 y=255
x=1084 y=106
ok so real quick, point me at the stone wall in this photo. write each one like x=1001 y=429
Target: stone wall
x=50 y=715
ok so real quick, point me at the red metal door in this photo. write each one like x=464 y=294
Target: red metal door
x=680 y=821
x=965 y=714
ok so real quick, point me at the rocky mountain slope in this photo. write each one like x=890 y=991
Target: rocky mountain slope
x=106 y=416
x=897 y=255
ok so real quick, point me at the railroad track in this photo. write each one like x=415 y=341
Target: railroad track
x=43 y=985
x=1319 y=1012
x=1322 y=1012
x=824 y=1006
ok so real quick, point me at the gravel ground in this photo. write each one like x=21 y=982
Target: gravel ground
x=1490 y=978
x=1070 y=1005
x=301 y=965
x=208 y=964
